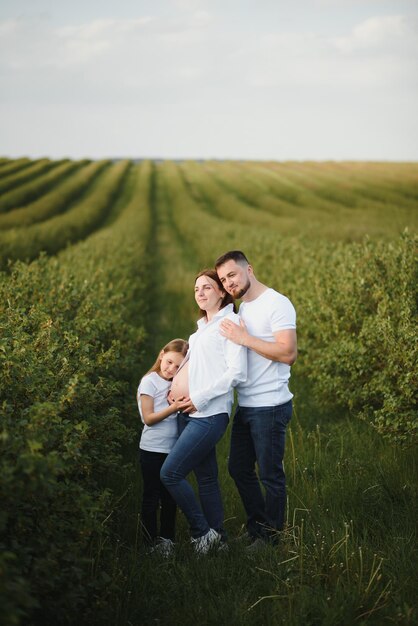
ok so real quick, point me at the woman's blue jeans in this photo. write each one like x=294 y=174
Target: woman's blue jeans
x=195 y=450
x=258 y=436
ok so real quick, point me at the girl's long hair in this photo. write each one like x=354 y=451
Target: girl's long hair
x=226 y=299
x=175 y=345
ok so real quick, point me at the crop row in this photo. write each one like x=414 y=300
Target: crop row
x=385 y=182
x=28 y=173
x=327 y=200
x=9 y=166
x=78 y=222
x=57 y=201
x=303 y=203
x=33 y=189
x=71 y=343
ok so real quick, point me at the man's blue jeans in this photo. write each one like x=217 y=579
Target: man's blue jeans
x=258 y=436
x=195 y=450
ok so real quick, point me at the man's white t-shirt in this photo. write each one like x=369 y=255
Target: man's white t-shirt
x=162 y=436
x=267 y=381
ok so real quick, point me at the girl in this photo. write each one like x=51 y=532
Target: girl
x=205 y=383
x=158 y=437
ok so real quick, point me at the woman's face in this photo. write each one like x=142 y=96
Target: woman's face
x=207 y=294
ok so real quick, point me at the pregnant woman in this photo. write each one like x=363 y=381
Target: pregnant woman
x=213 y=366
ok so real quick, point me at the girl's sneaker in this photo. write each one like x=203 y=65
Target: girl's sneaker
x=203 y=544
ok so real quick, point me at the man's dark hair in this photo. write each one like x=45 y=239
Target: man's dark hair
x=232 y=255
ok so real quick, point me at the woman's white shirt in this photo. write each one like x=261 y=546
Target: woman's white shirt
x=162 y=436
x=216 y=366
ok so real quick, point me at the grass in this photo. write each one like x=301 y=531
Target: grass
x=347 y=556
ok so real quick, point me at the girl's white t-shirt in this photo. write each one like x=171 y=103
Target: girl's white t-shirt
x=162 y=436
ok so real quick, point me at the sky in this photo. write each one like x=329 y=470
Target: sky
x=224 y=79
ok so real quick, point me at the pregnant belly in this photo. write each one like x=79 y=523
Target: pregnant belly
x=180 y=384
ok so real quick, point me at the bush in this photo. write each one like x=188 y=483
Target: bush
x=358 y=310
x=68 y=353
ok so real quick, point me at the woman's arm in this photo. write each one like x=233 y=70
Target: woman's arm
x=236 y=372
x=151 y=417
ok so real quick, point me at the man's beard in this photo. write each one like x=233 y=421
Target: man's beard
x=243 y=291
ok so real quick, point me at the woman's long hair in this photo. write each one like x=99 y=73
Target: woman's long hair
x=226 y=299
x=175 y=345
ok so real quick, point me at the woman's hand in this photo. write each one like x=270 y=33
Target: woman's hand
x=183 y=404
x=186 y=406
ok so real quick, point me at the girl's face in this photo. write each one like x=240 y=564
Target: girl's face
x=207 y=294
x=170 y=362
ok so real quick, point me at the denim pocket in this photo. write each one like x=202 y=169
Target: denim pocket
x=282 y=414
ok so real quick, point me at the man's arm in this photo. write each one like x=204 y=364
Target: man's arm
x=283 y=348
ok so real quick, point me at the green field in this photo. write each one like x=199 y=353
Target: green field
x=98 y=261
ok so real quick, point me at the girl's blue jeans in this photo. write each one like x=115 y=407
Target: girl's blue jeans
x=195 y=450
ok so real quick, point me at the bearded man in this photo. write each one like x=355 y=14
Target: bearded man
x=268 y=329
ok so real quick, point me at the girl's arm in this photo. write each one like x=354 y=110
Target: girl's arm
x=151 y=417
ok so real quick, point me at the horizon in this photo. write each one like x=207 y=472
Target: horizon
x=114 y=159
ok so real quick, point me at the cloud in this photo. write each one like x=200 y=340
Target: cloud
x=184 y=82
x=35 y=43
x=189 y=49
x=378 y=52
x=105 y=61
x=389 y=32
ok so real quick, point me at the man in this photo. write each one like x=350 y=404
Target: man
x=268 y=330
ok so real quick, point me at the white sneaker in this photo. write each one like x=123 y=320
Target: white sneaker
x=164 y=547
x=203 y=544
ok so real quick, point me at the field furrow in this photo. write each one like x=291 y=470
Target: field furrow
x=294 y=205
x=353 y=214
x=57 y=201
x=352 y=187
x=32 y=190
x=226 y=204
x=30 y=172
x=77 y=223
x=10 y=166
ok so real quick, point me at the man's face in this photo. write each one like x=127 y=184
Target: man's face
x=235 y=278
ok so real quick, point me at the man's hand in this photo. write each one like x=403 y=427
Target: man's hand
x=283 y=348
x=233 y=332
